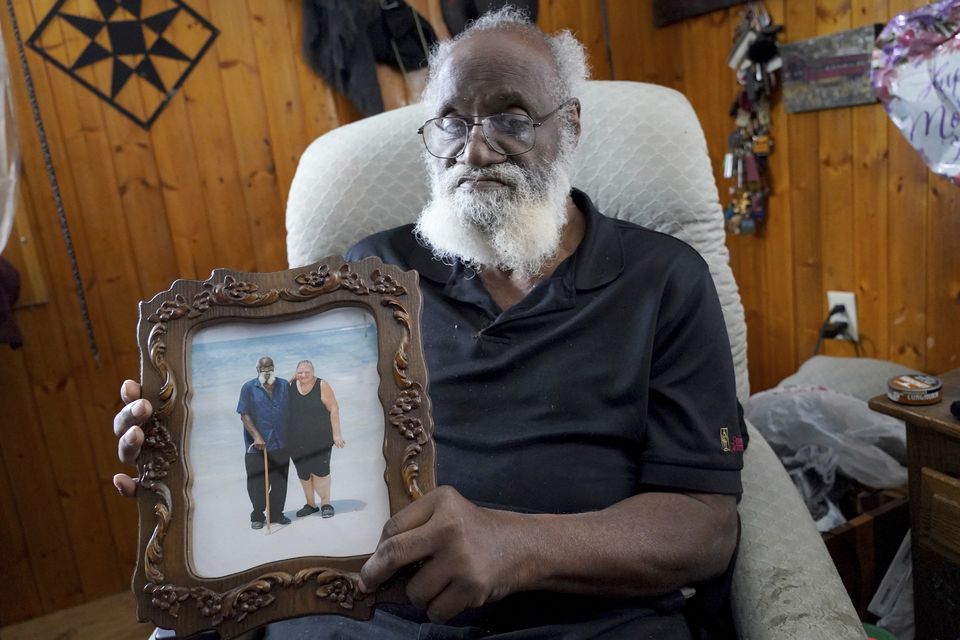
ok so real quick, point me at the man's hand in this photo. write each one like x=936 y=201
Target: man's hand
x=470 y=555
x=646 y=545
x=126 y=426
x=338 y=441
x=258 y=443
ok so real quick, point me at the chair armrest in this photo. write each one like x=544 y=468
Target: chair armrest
x=785 y=585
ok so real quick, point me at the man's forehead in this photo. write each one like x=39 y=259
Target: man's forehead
x=511 y=67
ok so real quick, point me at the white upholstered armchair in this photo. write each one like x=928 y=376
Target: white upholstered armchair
x=642 y=157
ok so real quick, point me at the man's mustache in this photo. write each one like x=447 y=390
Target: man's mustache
x=509 y=175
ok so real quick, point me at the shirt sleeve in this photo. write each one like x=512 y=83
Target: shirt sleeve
x=695 y=435
x=244 y=406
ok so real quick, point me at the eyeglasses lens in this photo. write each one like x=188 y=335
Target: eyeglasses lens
x=506 y=133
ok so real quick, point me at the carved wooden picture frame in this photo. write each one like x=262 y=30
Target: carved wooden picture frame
x=232 y=599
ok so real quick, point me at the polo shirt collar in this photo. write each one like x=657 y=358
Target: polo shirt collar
x=600 y=254
x=598 y=259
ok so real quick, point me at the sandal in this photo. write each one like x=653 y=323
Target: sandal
x=306 y=511
x=326 y=511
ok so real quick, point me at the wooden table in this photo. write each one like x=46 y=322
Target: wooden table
x=933 y=458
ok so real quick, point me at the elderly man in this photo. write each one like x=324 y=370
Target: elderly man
x=581 y=380
x=264 y=409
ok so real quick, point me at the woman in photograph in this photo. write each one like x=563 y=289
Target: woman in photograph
x=313 y=431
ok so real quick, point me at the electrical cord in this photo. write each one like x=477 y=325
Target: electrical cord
x=834 y=329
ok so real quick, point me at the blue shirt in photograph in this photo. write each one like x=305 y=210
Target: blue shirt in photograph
x=268 y=412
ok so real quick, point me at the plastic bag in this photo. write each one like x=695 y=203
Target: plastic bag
x=793 y=417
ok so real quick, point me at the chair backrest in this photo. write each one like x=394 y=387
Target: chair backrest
x=642 y=157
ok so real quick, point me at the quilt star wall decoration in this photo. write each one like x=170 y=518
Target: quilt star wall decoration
x=133 y=54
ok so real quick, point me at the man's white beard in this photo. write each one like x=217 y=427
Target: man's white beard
x=514 y=229
x=266 y=377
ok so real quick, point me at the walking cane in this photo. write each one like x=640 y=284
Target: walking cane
x=266 y=484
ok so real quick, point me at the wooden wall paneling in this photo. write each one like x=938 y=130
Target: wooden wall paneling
x=58 y=403
x=22 y=250
x=66 y=134
x=249 y=125
x=173 y=145
x=107 y=263
x=642 y=52
x=431 y=9
x=73 y=358
x=284 y=105
x=870 y=170
x=98 y=384
x=591 y=31
x=58 y=410
x=943 y=275
x=776 y=242
x=804 y=168
x=319 y=107
x=35 y=185
x=393 y=88
x=836 y=183
x=19 y=596
x=585 y=21
x=179 y=176
x=346 y=112
x=209 y=138
x=135 y=178
x=907 y=243
x=708 y=83
x=35 y=494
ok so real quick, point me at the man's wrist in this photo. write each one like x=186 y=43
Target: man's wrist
x=524 y=560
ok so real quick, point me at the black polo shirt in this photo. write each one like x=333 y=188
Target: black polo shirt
x=612 y=377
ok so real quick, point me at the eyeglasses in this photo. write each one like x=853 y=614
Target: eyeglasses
x=510 y=134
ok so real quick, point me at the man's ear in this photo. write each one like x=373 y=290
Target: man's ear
x=574 y=117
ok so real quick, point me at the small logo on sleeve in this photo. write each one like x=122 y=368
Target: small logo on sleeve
x=726 y=444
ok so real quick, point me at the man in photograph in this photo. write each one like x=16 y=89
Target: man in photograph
x=264 y=409
x=580 y=376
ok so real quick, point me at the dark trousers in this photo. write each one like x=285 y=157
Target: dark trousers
x=279 y=462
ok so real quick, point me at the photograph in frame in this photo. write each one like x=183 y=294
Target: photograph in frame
x=214 y=351
x=340 y=346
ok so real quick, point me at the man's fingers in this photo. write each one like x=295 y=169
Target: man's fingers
x=416 y=514
x=129 y=391
x=428 y=582
x=129 y=446
x=135 y=413
x=451 y=601
x=126 y=485
x=392 y=554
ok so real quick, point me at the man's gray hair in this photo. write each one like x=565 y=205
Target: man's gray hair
x=568 y=53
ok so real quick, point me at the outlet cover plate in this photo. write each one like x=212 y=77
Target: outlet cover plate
x=849 y=300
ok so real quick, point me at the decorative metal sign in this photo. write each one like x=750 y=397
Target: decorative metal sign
x=829 y=71
x=134 y=55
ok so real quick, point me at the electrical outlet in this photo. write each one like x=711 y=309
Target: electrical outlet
x=849 y=301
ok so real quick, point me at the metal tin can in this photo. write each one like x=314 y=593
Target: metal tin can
x=914 y=388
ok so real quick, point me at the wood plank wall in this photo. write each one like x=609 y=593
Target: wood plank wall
x=853 y=208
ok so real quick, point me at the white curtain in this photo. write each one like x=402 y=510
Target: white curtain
x=9 y=152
